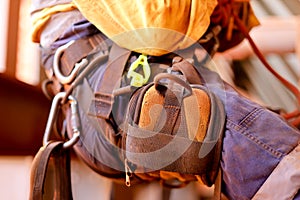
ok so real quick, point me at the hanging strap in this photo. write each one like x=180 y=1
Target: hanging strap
x=218 y=186
x=51 y=158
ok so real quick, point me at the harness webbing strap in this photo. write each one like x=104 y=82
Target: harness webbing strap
x=79 y=50
x=111 y=79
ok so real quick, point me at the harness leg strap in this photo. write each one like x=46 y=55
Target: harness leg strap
x=51 y=159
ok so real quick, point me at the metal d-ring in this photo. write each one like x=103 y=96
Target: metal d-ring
x=174 y=78
x=75 y=123
x=56 y=67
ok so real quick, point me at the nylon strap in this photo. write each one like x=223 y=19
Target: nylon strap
x=172 y=106
x=111 y=79
x=79 y=50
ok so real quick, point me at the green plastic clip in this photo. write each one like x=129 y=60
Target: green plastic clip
x=137 y=79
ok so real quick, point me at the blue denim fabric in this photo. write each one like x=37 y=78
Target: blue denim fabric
x=255 y=141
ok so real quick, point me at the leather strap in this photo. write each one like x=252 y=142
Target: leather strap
x=188 y=162
x=218 y=186
x=54 y=159
x=166 y=193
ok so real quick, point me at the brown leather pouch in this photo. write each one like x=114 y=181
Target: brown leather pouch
x=174 y=131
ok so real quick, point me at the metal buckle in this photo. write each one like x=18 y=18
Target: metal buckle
x=75 y=123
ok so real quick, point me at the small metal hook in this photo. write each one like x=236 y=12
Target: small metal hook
x=75 y=123
x=56 y=67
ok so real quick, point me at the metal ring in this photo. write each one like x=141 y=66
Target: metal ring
x=75 y=123
x=53 y=111
x=174 y=78
x=72 y=141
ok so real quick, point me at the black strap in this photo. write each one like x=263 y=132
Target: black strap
x=50 y=173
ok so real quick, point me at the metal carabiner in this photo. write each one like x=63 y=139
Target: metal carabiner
x=56 y=67
x=74 y=120
x=75 y=123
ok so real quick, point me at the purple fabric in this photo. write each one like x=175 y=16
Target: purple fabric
x=76 y=31
x=41 y=4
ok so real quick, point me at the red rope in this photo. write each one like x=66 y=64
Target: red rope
x=286 y=83
x=290 y=86
x=224 y=14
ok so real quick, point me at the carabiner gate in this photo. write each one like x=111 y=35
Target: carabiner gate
x=75 y=122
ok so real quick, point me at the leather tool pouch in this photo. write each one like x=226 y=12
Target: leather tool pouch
x=175 y=129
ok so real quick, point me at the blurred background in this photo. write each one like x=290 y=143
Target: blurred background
x=24 y=108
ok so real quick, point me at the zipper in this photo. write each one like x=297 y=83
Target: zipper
x=128 y=173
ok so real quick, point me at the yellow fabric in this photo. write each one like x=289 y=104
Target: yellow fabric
x=41 y=18
x=152 y=27
x=152 y=108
